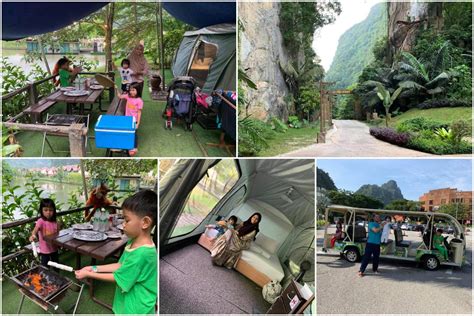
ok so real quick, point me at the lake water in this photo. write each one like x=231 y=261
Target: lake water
x=62 y=191
x=15 y=56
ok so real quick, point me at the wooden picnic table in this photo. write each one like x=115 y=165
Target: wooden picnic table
x=91 y=98
x=97 y=250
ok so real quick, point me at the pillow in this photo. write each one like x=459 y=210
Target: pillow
x=211 y=232
x=270 y=245
x=257 y=249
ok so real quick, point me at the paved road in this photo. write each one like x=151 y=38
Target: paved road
x=399 y=288
x=351 y=138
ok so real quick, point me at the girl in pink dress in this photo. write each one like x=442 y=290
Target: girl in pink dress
x=133 y=108
x=45 y=226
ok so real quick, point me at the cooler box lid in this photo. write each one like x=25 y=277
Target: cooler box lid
x=115 y=122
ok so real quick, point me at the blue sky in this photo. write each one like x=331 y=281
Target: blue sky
x=413 y=176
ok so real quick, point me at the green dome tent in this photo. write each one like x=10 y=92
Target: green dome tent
x=208 y=55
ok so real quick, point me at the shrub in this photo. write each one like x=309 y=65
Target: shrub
x=438 y=146
x=443 y=103
x=294 y=122
x=253 y=135
x=391 y=136
x=419 y=124
x=278 y=125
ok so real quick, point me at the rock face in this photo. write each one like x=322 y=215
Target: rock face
x=261 y=53
x=385 y=193
x=406 y=18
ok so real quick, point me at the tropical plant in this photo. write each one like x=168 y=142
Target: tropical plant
x=387 y=99
x=9 y=147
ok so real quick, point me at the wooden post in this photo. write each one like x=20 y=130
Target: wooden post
x=32 y=93
x=77 y=140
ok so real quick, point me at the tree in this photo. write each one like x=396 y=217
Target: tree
x=457 y=210
x=343 y=197
x=387 y=99
x=404 y=205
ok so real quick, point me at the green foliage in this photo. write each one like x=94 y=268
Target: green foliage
x=294 y=121
x=404 y=205
x=8 y=150
x=460 y=86
x=253 y=136
x=427 y=142
x=277 y=125
x=358 y=46
x=324 y=180
x=344 y=110
x=308 y=100
x=459 y=211
x=387 y=99
x=343 y=197
x=419 y=124
x=105 y=169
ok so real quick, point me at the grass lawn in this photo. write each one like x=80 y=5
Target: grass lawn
x=292 y=139
x=443 y=115
x=153 y=139
x=103 y=290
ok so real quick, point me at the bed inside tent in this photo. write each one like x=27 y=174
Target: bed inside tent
x=281 y=190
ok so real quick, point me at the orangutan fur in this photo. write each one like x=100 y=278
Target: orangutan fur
x=97 y=199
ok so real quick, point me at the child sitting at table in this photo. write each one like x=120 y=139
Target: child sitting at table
x=46 y=225
x=135 y=274
x=133 y=108
x=66 y=74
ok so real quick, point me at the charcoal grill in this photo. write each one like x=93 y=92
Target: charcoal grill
x=44 y=287
x=62 y=120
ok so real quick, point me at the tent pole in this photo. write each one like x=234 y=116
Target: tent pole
x=161 y=45
x=84 y=184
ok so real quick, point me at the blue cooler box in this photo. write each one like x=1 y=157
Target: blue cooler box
x=116 y=132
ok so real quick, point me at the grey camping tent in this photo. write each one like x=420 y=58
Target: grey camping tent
x=208 y=55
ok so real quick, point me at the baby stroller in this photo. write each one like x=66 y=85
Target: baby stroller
x=181 y=102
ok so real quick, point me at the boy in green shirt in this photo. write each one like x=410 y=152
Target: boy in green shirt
x=438 y=242
x=136 y=271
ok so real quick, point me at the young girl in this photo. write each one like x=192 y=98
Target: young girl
x=337 y=235
x=66 y=74
x=126 y=74
x=46 y=225
x=133 y=108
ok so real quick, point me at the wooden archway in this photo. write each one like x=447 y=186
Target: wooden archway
x=327 y=101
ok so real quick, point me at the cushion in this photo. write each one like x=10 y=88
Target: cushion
x=210 y=232
x=257 y=249
x=270 y=245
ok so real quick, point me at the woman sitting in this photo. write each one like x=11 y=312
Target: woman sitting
x=228 y=247
x=338 y=235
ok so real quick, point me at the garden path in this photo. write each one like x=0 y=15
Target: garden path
x=351 y=138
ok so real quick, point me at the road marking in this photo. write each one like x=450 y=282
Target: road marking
x=449 y=271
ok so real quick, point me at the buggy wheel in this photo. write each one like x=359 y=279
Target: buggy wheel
x=430 y=263
x=352 y=254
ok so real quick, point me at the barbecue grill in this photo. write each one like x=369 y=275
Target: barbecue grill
x=44 y=287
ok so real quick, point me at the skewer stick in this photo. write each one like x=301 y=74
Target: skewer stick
x=60 y=266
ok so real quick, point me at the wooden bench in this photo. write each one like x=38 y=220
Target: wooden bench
x=117 y=106
x=36 y=110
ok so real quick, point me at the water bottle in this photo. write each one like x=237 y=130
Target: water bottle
x=95 y=221
x=102 y=222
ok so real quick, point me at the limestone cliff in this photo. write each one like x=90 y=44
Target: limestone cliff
x=406 y=19
x=261 y=54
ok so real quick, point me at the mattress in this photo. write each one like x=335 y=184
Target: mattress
x=270 y=267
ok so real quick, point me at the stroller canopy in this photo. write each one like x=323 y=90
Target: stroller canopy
x=208 y=55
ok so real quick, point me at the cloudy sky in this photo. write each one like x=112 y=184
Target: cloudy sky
x=326 y=39
x=413 y=176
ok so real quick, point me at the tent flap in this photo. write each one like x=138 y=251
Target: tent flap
x=23 y=19
x=201 y=14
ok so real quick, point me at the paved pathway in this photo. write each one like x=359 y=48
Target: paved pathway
x=351 y=138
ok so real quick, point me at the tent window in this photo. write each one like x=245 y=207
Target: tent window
x=204 y=56
x=203 y=198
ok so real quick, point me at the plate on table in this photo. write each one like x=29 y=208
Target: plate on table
x=114 y=235
x=84 y=226
x=64 y=232
x=87 y=235
x=96 y=87
x=65 y=89
x=76 y=93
